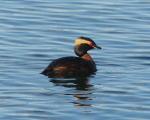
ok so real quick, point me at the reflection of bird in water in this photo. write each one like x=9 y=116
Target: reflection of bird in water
x=82 y=93
x=78 y=83
x=83 y=65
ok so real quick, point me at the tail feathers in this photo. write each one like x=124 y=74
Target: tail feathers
x=46 y=72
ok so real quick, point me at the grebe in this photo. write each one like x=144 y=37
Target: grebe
x=83 y=65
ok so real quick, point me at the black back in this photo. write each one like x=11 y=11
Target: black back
x=70 y=67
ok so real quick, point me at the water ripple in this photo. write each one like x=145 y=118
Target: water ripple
x=35 y=32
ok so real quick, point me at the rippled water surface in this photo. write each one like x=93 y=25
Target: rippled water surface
x=34 y=32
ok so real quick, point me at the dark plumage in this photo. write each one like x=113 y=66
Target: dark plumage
x=69 y=67
x=74 y=66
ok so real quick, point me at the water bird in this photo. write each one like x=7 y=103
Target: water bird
x=72 y=66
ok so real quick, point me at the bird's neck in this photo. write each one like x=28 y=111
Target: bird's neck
x=87 y=57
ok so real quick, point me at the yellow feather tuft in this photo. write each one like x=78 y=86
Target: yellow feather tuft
x=81 y=41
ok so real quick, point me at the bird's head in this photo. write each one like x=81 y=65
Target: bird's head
x=83 y=44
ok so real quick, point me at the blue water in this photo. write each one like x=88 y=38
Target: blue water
x=35 y=32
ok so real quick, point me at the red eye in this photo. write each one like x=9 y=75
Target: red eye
x=92 y=45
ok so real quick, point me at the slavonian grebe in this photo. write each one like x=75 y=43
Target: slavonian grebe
x=83 y=65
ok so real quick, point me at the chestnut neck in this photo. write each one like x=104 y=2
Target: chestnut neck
x=87 y=57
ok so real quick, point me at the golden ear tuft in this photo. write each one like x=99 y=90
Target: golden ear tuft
x=82 y=41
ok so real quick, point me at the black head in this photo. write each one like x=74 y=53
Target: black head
x=83 y=44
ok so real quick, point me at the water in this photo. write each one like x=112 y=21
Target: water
x=34 y=32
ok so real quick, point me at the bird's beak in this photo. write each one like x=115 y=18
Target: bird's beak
x=98 y=47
